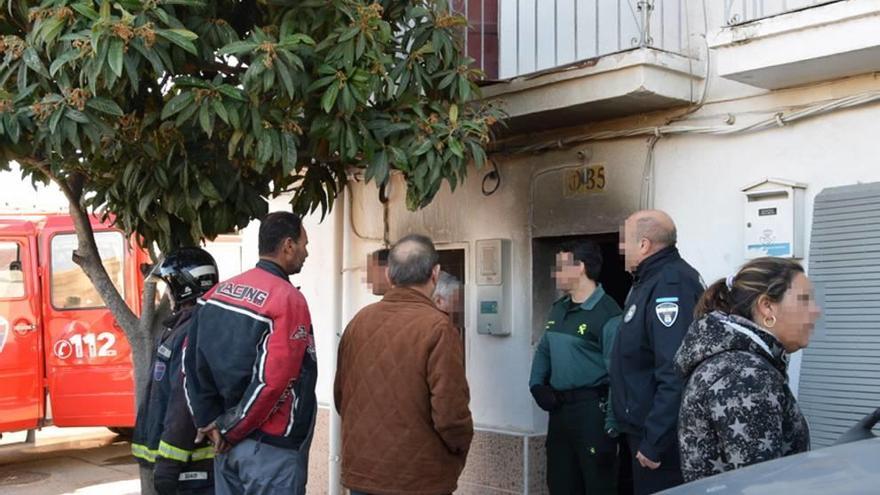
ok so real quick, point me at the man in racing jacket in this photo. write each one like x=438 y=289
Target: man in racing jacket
x=164 y=436
x=250 y=369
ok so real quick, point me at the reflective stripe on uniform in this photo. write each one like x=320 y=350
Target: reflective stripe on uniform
x=203 y=453
x=169 y=451
x=143 y=452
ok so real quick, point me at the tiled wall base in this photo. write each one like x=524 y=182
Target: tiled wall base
x=496 y=463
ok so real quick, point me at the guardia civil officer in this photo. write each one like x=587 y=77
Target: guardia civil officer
x=569 y=376
x=164 y=436
x=646 y=388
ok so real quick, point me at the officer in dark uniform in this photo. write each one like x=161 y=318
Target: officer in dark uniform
x=569 y=377
x=164 y=436
x=656 y=315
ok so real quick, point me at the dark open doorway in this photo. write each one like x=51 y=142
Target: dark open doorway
x=614 y=278
x=452 y=261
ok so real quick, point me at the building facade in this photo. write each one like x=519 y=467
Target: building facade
x=689 y=106
x=692 y=115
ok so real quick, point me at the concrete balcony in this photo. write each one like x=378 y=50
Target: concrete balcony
x=824 y=42
x=631 y=82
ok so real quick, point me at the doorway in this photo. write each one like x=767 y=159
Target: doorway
x=452 y=261
x=614 y=278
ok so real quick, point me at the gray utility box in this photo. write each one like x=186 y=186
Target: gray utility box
x=493 y=287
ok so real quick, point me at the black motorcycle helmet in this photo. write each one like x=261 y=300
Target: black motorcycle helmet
x=188 y=272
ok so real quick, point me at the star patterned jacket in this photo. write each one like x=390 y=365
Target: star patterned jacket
x=736 y=408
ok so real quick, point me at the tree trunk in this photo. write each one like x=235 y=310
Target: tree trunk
x=142 y=331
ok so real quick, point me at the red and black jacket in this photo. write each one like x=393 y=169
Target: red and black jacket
x=250 y=360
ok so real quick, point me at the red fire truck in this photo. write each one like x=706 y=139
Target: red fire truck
x=63 y=358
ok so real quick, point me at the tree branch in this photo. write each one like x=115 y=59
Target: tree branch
x=86 y=254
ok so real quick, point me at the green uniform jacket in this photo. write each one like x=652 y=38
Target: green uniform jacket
x=575 y=350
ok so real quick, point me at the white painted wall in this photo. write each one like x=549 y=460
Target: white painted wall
x=703 y=194
x=697 y=179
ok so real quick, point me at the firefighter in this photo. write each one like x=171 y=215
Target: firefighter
x=164 y=436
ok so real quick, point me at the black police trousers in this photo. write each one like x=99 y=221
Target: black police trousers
x=581 y=458
x=647 y=481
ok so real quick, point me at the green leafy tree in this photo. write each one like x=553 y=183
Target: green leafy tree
x=181 y=117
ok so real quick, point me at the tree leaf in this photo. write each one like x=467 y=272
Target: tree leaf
x=206 y=119
x=349 y=34
x=289 y=156
x=378 y=168
x=105 y=105
x=51 y=29
x=25 y=93
x=455 y=147
x=192 y=82
x=177 y=104
x=264 y=149
x=284 y=73
x=55 y=118
x=329 y=97
x=32 y=60
x=423 y=148
x=220 y=110
x=238 y=47
x=188 y=3
x=86 y=10
x=13 y=129
x=233 y=143
x=62 y=59
x=77 y=116
x=114 y=57
x=232 y=92
x=180 y=37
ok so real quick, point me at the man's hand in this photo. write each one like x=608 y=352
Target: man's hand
x=221 y=446
x=645 y=462
x=545 y=397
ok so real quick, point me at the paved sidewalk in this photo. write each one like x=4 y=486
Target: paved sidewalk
x=67 y=461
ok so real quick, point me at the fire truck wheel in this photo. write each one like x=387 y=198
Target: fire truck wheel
x=125 y=433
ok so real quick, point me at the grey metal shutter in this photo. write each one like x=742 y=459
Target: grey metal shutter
x=840 y=372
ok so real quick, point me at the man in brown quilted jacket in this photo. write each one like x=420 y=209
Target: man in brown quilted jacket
x=401 y=388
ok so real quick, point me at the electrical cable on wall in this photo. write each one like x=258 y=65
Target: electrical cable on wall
x=492 y=175
x=777 y=120
x=384 y=198
x=351 y=221
x=646 y=190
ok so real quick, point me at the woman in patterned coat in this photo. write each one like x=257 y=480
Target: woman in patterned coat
x=736 y=407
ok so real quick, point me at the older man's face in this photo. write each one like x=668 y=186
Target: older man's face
x=452 y=306
x=630 y=245
x=377 y=275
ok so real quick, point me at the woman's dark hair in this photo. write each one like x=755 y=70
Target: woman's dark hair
x=761 y=276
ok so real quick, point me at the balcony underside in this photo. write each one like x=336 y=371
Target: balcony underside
x=627 y=83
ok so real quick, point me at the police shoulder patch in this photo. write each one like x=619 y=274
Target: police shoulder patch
x=667 y=310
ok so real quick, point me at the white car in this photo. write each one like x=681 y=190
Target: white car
x=849 y=467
